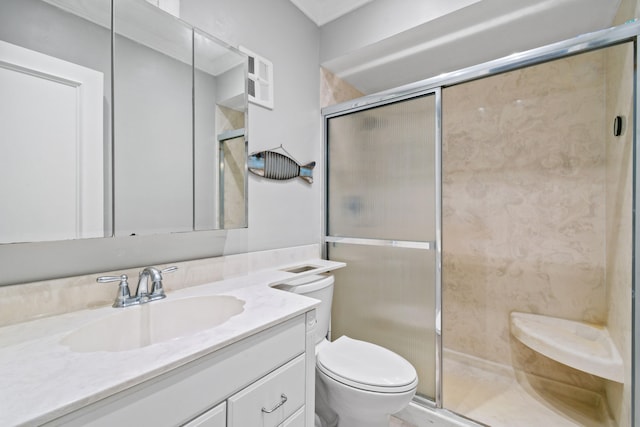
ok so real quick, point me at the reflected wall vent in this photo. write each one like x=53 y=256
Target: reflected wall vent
x=260 y=85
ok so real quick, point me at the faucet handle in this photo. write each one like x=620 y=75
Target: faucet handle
x=157 y=291
x=123 y=299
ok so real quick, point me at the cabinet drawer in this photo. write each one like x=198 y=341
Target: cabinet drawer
x=272 y=399
x=215 y=417
x=295 y=420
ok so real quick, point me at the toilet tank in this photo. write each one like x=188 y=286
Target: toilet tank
x=320 y=287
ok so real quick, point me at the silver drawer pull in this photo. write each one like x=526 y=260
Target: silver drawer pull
x=283 y=400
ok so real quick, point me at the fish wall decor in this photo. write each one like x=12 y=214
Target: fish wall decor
x=272 y=165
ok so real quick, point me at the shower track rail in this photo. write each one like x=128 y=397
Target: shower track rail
x=428 y=245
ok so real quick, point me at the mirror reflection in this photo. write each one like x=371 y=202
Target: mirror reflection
x=152 y=120
x=220 y=148
x=176 y=90
x=55 y=82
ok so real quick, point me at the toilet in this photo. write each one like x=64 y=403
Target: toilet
x=358 y=384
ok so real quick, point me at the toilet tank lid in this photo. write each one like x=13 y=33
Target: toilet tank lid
x=367 y=366
x=307 y=284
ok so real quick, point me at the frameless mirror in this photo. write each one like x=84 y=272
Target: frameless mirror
x=176 y=91
x=177 y=96
x=152 y=69
x=220 y=148
x=55 y=80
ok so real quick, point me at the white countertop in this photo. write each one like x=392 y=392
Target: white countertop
x=43 y=379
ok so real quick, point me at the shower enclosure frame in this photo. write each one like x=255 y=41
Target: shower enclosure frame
x=628 y=32
x=435 y=245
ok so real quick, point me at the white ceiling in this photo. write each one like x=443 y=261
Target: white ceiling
x=323 y=11
x=388 y=43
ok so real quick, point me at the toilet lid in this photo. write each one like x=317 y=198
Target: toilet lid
x=366 y=366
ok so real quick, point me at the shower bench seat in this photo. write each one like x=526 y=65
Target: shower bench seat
x=581 y=345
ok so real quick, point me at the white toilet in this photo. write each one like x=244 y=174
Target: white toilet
x=358 y=384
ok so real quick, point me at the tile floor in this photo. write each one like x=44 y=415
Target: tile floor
x=498 y=396
x=501 y=397
x=397 y=422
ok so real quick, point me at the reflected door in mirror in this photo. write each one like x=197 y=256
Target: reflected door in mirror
x=51 y=167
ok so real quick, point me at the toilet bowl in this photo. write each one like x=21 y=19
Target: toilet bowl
x=363 y=382
x=358 y=384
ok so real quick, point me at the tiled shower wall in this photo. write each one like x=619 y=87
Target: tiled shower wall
x=334 y=90
x=619 y=189
x=527 y=191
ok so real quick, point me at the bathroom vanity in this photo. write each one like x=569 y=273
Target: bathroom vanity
x=253 y=364
x=237 y=380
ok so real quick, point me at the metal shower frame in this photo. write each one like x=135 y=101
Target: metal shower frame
x=628 y=32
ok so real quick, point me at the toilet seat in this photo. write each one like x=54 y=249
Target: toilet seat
x=366 y=366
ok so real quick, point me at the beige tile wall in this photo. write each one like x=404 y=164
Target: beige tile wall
x=619 y=234
x=524 y=176
x=334 y=90
x=619 y=81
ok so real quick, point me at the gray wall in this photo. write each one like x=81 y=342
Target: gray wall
x=281 y=214
x=285 y=213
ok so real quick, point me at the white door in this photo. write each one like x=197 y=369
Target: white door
x=51 y=148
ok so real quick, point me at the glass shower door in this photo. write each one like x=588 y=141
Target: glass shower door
x=382 y=217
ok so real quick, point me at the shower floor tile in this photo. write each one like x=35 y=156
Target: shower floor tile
x=397 y=422
x=498 y=396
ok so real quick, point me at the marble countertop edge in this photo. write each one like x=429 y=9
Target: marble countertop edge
x=44 y=380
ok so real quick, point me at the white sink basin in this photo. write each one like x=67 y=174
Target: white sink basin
x=140 y=326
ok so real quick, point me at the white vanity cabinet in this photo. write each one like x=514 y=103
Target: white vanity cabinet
x=243 y=384
x=271 y=400
x=216 y=417
x=296 y=420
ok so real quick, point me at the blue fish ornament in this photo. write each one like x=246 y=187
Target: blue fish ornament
x=272 y=165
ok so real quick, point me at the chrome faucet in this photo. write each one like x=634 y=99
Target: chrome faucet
x=155 y=276
x=142 y=296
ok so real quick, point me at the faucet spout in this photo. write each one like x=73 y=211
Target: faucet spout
x=153 y=275
x=142 y=291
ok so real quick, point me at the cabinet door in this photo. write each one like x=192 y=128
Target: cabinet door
x=295 y=420
x=272 y=399
x=215 y=417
